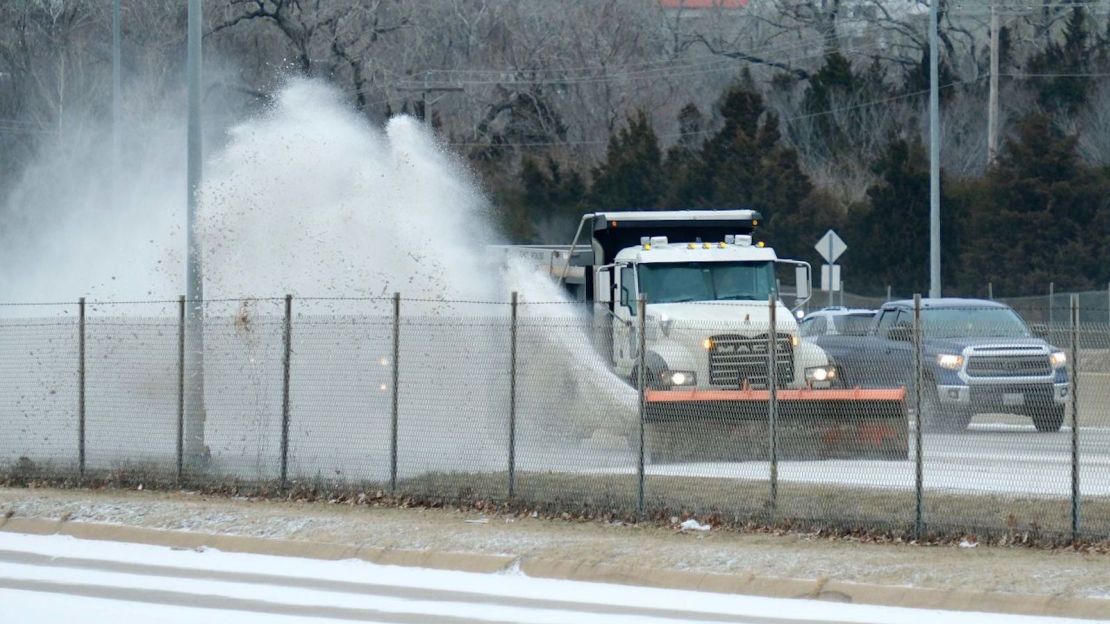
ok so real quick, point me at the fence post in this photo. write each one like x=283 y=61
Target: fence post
x=394 y=398
x=81 y=389
x=287 y=340
x=180 y=388
x=641 y=382
x=512 y=396
x=990 y=291
x=772 y=407
x=1074 y=356
x=888 y=292
x=1051 y=308
x=919 y=454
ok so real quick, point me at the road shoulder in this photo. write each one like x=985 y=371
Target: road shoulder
x=1003 y=580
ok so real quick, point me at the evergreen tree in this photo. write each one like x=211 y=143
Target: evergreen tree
x=835 y=78
x=631 y=177
x=685 y=169
x=549 y=198
x=1069 y=90
x=892 y=229
x=1042 y=216
x=746 y=165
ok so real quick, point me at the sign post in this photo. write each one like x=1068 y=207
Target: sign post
x=831 y=247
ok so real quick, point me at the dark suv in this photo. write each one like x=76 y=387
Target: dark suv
x=979 y=357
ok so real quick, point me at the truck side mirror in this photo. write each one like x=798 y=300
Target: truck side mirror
x=603 y=285
x=901 y=333
x=801 y=279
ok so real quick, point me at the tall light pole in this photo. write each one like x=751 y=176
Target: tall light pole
x=992 y=104
x=117 y=86
x=934 y=155
x=194 y=350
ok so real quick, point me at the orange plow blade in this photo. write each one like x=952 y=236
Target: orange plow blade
x=707 y=425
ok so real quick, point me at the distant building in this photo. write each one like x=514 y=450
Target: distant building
x=703 y=4
x=695 y=8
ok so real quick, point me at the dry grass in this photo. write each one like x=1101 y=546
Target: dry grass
x=745 y=503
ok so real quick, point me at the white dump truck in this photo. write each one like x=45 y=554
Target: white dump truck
x=710 y=292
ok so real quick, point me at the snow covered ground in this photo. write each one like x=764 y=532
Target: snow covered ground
x=56 y=579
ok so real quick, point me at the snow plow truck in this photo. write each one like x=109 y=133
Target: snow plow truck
x=692 y=299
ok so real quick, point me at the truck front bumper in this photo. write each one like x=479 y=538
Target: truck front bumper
x=1003 y=397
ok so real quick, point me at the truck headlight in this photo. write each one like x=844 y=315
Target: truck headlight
x=1058 y=359
x=950 y=361
x=821 y=373
x=679 y=378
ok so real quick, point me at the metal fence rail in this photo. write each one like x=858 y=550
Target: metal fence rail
x=520 y=401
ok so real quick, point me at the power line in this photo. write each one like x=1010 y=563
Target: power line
x=678 y=135
x=718 y=63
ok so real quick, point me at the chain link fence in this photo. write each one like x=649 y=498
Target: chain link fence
x=938 y=421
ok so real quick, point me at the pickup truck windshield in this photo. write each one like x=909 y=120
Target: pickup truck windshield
x=706 y=281
x=973 y=323
x=854 y=324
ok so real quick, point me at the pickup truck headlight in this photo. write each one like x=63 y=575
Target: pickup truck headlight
x=821 y=373
x=1059 y=359
x=679 y=378
x=950 y=361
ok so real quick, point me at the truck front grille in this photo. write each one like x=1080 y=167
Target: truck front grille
x=1008 y=365
x=734 y=360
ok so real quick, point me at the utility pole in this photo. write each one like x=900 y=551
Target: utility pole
x=934 y=155
x=992 y=113
x=117 y=87
x=194 y=277
x=427 y=103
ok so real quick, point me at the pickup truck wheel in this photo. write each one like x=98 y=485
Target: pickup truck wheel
x=1049 y=419
x=938 y=418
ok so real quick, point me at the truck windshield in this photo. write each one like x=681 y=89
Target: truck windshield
x=973 y=323
x=854 y=324
x=706 y=281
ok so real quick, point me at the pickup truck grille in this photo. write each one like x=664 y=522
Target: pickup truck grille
x=1008 y=365
x=734 y=360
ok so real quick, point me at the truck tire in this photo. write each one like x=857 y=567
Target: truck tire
x=938 y=418
x=1049 y=419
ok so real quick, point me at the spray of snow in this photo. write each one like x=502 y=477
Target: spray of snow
x=309 y=199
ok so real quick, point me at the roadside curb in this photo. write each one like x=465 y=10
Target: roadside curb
x=588 y=571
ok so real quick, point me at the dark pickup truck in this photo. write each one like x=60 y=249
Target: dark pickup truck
x=979 y=357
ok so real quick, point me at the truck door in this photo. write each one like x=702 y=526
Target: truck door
x=604 y=301
x=624 y=320
x=894 y=365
